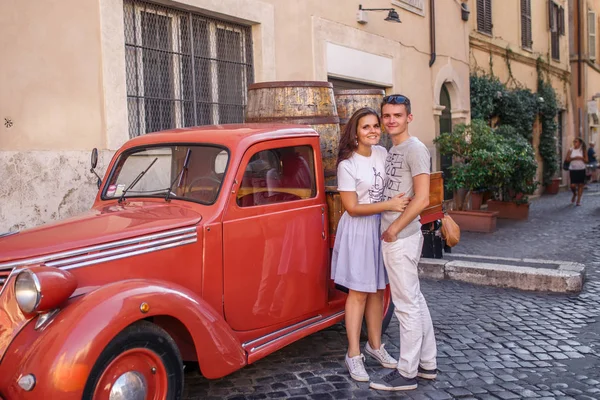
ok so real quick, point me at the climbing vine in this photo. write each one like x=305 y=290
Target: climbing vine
x=548 y=110
x=518 y=107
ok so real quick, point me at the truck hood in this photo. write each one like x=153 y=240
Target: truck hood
x=97 y=226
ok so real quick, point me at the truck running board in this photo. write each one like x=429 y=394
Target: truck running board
x=265 y=345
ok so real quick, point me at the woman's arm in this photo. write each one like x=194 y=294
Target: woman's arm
x=421 y=201
x=568 y=159
x=350 y=202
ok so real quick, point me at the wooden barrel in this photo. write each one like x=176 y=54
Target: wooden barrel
x=300 y=102
x=348 y=101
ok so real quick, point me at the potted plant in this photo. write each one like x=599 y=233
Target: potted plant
x=511 y=200
x=479 y=165
x=553 y=187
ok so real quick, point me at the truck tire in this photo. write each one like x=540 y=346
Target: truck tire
x=144 y=360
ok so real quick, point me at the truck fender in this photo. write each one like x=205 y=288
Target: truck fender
x=65 y=352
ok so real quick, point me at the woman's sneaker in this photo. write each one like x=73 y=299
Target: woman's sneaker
x=382 y=356
x=356 y=367
x=427 y=373
x=394 y=381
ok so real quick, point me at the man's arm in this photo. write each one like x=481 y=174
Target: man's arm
x=414 y=208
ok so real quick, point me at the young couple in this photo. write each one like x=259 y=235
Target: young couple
x=383 y=194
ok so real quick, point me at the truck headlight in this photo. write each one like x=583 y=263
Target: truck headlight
x=28 y=291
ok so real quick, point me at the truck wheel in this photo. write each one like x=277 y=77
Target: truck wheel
x=141 y=362
x=388 y=313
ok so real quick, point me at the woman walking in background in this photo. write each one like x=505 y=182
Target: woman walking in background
x=577 y=158
x=357 y=262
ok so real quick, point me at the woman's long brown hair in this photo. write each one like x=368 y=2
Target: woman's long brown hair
x=583 y=146
x=348 y=139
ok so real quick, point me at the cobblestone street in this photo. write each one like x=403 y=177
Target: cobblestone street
x=492 y=343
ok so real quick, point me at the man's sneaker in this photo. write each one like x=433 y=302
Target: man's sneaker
x=356 y=367
x=382 y=356
x=393 y=381
x=427 y=373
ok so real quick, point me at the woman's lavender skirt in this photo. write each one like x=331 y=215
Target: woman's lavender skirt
x=357 y=262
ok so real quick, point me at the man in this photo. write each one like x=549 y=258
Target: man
x=407 y=171
x=593 y=163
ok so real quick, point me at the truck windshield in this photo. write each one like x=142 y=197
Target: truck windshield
x=186 y=172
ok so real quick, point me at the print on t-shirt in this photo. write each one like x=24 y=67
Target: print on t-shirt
x=393 y=169
x=376 y=191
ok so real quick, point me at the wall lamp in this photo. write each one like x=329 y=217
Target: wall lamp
x=361 y=15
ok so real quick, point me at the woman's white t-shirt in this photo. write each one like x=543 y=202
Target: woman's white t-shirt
x=577 y=164
x=364 y=175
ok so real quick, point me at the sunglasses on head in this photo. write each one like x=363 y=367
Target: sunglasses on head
x=396 y=99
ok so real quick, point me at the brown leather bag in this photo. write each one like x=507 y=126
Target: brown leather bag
x=450 y=231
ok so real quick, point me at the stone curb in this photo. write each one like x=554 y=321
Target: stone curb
x=567 y=278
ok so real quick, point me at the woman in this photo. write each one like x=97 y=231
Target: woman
x=577 y=158
x=357 y=262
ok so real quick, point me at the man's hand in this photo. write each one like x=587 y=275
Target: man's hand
x=388 y=236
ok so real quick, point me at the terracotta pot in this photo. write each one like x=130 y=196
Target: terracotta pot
x=475 y=221
x=476 y=200
x=509 y=209
x=554 y=187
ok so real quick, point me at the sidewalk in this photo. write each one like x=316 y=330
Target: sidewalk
x=492 y=343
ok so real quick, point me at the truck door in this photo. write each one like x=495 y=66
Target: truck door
x=274 y=240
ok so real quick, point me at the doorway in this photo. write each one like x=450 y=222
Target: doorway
x=446 y=126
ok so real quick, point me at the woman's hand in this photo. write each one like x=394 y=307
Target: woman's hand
x=398 y=203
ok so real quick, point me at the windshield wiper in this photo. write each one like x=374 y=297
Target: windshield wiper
x=136 y=180
x=179 y=176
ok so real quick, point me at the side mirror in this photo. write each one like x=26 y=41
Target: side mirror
x=94 y=159
x=94 y=162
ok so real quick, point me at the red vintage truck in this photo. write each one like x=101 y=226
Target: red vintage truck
x=208 y=244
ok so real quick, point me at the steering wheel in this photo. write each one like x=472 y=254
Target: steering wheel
x=201 y=193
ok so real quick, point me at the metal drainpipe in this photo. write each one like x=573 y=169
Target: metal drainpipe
x=432 y=31
x=579 y=72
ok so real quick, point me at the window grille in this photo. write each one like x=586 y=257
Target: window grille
x=484 y=16
x=592 y=35
x=183 y=68
x=526 y=37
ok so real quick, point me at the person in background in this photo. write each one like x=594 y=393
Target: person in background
x=592 y=162
x=357 y=263
x=577 y=158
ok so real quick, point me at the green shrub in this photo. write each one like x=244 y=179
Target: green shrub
x=498 y=160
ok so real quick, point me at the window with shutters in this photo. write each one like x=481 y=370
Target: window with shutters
x=526 y=39
x=183 y=69
x=556 y=24
x=484 y=16
x=592 y=35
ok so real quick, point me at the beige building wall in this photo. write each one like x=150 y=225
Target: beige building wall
x=50 y=109
x=585 y=66
x=64 y=86
x=503 y=55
